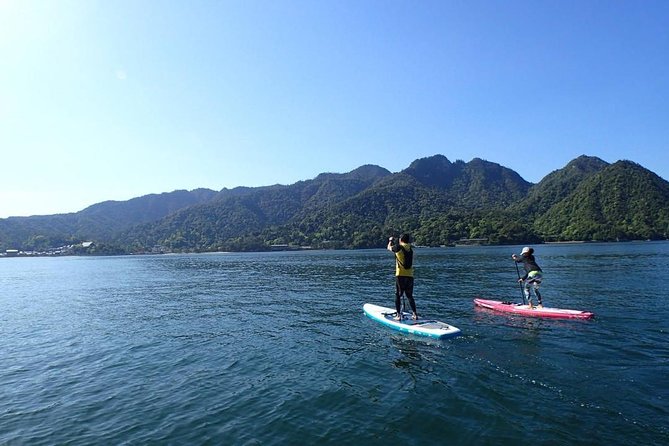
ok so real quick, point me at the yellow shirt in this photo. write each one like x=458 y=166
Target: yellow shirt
x=399 y=261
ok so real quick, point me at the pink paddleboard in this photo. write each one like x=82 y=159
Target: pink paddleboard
x=525 y=310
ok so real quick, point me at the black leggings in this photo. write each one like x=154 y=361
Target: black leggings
x=404 y=285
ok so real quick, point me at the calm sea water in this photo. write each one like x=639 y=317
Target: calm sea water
x=274 y=348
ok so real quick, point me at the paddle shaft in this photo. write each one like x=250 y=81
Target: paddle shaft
x=522 y=293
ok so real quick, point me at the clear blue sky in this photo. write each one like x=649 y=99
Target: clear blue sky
x=110 y=100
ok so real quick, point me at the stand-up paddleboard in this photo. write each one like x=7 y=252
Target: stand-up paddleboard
x=525 y=310
x=423 y=327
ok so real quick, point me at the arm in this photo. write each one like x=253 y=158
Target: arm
x=520 y=259
x=393 y=245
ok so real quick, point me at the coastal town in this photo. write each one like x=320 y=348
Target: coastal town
x=59 y=251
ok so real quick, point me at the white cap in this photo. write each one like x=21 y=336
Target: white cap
x=525 y=250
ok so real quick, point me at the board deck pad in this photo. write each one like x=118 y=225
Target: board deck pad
x=525 y=310
x=423 y=327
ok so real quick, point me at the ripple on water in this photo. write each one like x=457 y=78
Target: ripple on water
x=274 y=348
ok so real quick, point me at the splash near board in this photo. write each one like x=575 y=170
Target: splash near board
x=423 y=327
x=525 y=310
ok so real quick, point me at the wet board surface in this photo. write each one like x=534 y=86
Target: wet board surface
x=422 y=326
x=525 y=310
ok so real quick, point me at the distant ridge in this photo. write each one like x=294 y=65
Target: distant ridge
x=438 y=201
x=99 y=222
x=622 y=201
x=558 y=184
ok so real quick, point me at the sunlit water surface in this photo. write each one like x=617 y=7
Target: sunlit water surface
x=273 y=348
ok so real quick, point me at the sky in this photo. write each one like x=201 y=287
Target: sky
x=111 y=100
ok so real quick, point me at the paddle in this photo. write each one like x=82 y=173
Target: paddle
x=522 y=294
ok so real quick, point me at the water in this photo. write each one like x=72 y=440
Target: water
x=273 y=348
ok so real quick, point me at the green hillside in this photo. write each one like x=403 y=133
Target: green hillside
x=558 y=185
x=623 y=201
x=440 y=202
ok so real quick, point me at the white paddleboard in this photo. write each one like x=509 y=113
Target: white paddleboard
x=422 y=327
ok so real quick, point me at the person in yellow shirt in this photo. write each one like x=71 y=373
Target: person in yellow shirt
x=403 y=273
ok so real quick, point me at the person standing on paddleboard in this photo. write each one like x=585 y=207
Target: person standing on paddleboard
x=533 y=274
x=403 y=273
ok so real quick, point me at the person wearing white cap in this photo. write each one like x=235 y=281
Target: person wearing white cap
x=533 y=274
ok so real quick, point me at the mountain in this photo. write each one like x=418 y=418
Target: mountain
x=97 y=222
x=212 y=225
x=107 y=218
x=438 y=201
x=558 y=185
x=429 y=190
x=623 y=201
x=476 y=184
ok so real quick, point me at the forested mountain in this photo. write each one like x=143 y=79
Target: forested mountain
x=558 y=185
x=477 y=184
x=221 y=223
x=440 y=202
x=97 y=222
x=623 y=201
x=430 y=192
x=104 y=219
